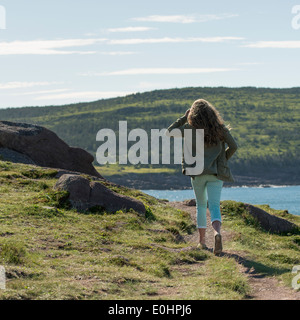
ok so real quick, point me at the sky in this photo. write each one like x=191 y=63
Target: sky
x=59 y=52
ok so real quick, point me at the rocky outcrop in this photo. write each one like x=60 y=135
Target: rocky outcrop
x=85 y=194
x=43 y=147
x=14 y=156
x=270 y=222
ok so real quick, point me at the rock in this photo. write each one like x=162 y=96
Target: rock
x=13 y=156
x=190 y=202
x=44 y=148
x=77 y=186
x=61 y=172
x=51 y=209
x=270 y=222
x=85 y=194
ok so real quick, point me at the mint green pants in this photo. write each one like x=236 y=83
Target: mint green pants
x=207 y=189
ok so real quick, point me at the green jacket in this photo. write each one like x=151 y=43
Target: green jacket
x=215 y=157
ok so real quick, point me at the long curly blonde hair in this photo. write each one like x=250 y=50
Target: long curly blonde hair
x=204 y=115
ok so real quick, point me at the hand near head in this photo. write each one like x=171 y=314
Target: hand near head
x=187 y=112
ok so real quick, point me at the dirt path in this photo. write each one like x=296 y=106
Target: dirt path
x=262 y=287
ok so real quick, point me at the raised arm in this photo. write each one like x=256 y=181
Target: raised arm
x=177 y=124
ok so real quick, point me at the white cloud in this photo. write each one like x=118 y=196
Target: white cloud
x=248 y=63
x=149 y=71
x=274 y=44
x=40 y=92
x=21 y=85
x=46 y=46
x=51 y=47
x=130 y=29
x=84 y=95
x=192 y=18
x=173 y=40
x=118 y=53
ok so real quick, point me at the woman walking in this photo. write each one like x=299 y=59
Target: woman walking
x=208 y=185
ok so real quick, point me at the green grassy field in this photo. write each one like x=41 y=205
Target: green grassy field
x=116 y=169
x=50 y=251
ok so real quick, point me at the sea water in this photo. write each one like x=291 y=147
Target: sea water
x=277 y=197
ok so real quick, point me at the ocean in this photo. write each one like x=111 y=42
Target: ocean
x=277 y=197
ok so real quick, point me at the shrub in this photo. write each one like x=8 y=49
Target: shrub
x=13 y=252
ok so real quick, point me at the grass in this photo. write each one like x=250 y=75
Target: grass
x=50 y=251
x=109 y=170
x=269 y=254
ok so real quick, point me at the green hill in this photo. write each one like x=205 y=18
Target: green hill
x=265 y=123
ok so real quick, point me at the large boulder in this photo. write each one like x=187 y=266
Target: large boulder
x=14 y=156
x=44 y=148
x=87 y=193
x=270 y=222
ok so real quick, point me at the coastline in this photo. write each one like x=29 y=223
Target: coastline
x=283 y=198
x=165 y=181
